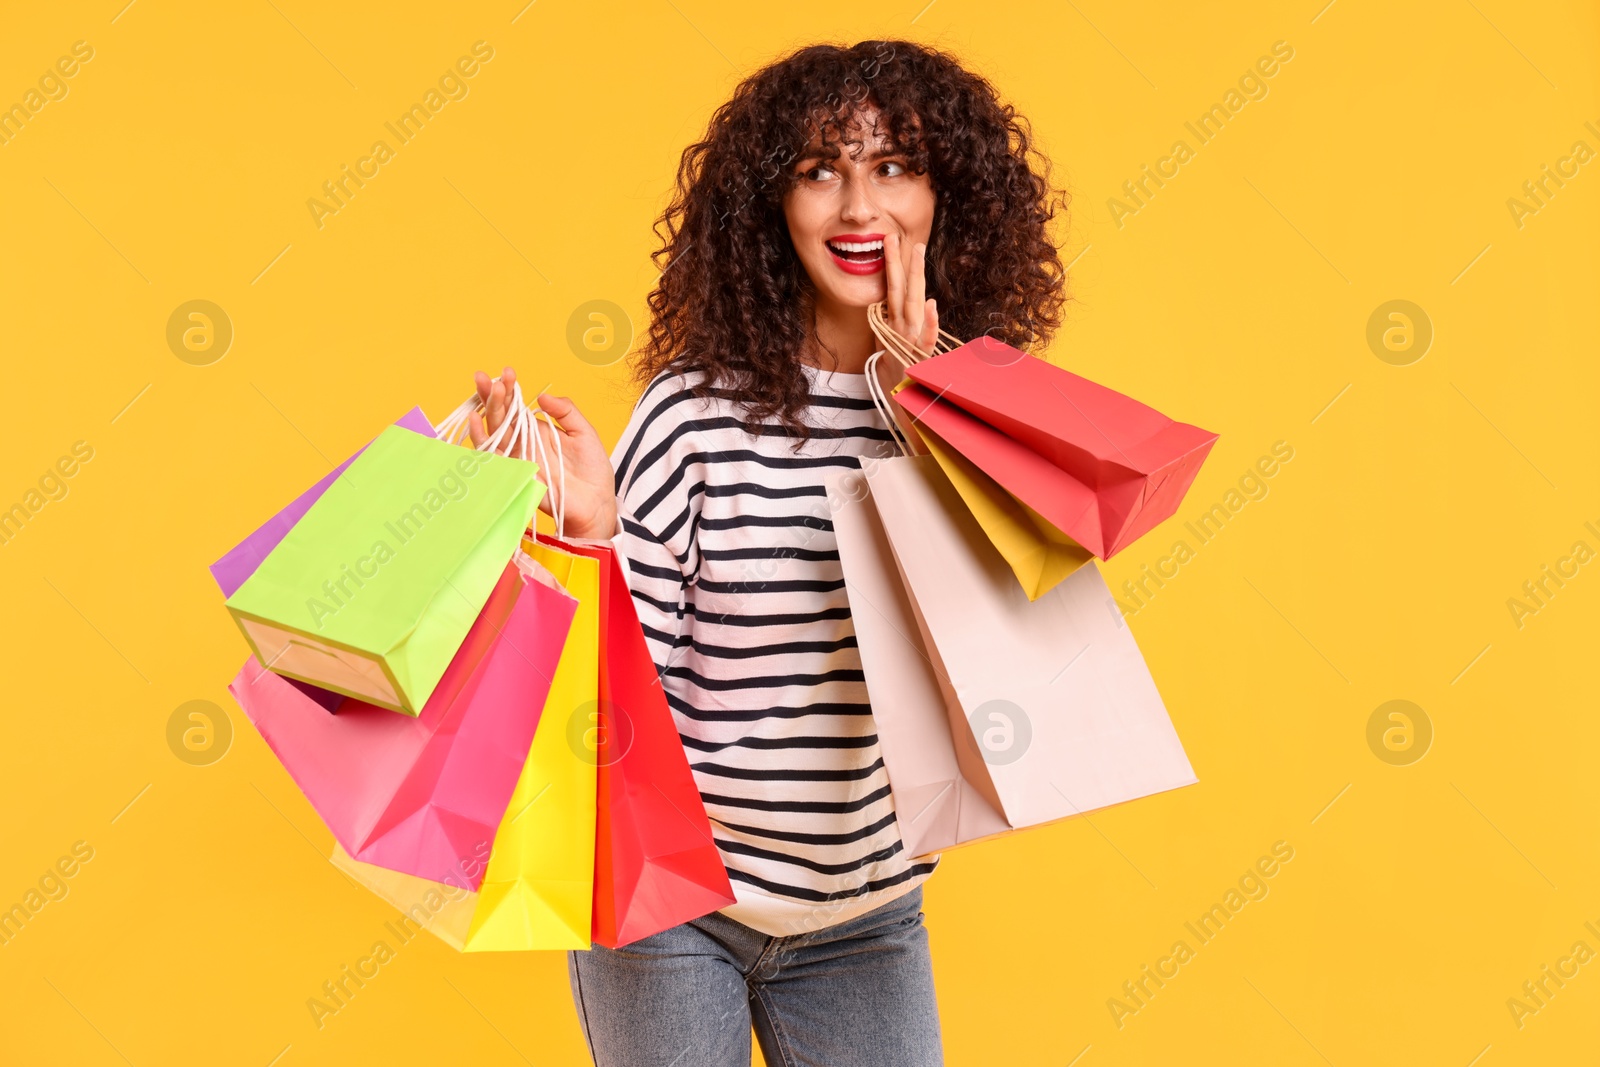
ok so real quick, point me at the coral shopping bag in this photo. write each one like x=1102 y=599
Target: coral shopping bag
x=656 y=864
x=1051 y=708
x=1039 y=555
x=1101 y=467
x=372 y=591
x=539 y=889
x=425 y=795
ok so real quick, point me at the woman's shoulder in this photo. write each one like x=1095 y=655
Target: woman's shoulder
x=693 y=401
x=673 y=397
x=716 y=397
x=670 y=384
x=667 y=419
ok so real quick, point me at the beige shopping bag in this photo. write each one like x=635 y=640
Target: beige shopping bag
x=936 y=807
x=1050 y=707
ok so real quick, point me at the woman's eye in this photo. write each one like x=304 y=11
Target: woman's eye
x=893 y=169
x=819 y=173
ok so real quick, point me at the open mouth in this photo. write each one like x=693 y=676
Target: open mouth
x=857 y=256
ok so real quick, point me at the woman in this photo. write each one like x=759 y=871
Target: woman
x=834 y=179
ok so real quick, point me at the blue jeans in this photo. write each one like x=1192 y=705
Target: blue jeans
x=860 y=992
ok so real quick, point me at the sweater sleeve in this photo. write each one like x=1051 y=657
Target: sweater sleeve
x=660 y=487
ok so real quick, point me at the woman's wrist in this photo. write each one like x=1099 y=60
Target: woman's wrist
x=602 y=527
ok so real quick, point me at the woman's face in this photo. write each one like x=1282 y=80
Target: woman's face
x=841 y=209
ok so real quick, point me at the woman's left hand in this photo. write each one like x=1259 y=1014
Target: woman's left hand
x=911 y=313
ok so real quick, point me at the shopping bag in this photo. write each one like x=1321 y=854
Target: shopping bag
x=934 y=805
x=539 y=888
x=1050 y=706
x=241 y=561
x=1037 y=553
x=425 y=795
x=1099 y=466
x=656 y=863
x=372 y=591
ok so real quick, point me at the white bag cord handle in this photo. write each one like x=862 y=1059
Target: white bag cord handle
x=526 y=443
x=561 y=475
x=510 y=427
x=900 y=346
x=450 y=429
x=518 y=432
x=558 y=500
x=453 y=428
x=881 y=402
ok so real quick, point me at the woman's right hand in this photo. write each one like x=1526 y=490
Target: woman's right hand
x=591 y=501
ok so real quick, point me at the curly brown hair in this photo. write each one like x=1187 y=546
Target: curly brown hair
x=726 y=301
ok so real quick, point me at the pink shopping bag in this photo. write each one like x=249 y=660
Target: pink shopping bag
x=425 y=795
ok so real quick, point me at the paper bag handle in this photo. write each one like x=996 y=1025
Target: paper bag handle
x=881 y=402
x=900 y=346
x=454 y=427
x=456 y=422
x=558 y=500
x=521 y=438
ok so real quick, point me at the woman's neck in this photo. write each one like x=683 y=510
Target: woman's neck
x=839 y=340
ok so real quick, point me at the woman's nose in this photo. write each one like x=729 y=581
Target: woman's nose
x=859 y=205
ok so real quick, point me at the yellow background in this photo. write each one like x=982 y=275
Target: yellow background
x=1378 y=167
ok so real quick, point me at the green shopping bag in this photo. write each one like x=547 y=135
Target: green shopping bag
x=374 y=589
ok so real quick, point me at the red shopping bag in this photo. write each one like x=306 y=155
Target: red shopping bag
x=656 y=864
x=425 y=795
x=1098 y=465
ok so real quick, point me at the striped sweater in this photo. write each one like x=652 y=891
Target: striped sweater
x=735 y=574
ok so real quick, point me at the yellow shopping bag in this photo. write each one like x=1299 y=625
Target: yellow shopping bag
x=538 y=892
x=1039 y=554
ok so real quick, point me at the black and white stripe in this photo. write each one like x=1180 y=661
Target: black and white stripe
x=735 y=575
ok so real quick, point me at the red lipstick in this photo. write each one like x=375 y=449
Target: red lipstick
x=857 y=253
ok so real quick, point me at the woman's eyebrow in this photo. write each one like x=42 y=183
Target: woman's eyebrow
x=815 y=155
x=811 y=154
